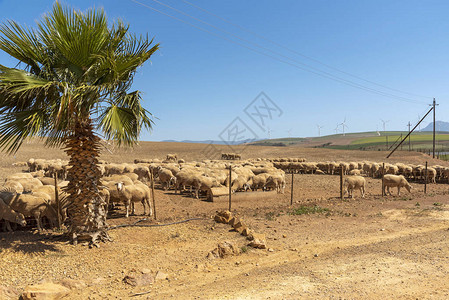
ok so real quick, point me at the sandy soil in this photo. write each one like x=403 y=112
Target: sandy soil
x=393 y=247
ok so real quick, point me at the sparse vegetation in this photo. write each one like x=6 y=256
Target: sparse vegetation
x=271 y=216
x=307 y=210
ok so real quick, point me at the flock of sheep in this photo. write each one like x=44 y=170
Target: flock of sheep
x=33 y=193
x=411 y=172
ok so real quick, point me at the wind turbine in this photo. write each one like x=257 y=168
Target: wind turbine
x=269 y=133
x=343 y=125
x=386 y=135
x=336 y=129
x=419 y=125
x=319 y=129
x=377 y=130
x=290 y=132
x=384 y=122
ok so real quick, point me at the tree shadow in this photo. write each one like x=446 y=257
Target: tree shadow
x=31 y=242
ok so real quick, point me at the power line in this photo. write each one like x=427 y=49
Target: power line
x=304 y=67
x=300 y=54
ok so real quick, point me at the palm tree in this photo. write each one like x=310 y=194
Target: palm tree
x=72 y=82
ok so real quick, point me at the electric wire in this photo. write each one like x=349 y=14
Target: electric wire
x=301 y=54
x=303 y=67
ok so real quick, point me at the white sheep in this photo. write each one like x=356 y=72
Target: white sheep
x=9 y=215
x=355 y=182
x=395 y=181
x=135 y=193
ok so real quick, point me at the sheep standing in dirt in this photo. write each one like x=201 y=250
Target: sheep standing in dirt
x=9 y=215
x=204 y=183
x=276 y=182
x=395 y=181
x=355 y=182
x=135 y=193
x=165 y=177
x=34 y=205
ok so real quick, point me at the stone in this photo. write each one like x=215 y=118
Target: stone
x=246 y=231
x=233 y=221
x=226 y=214
x=257 y=241
x=223 y=216
x=238 y=224
x=135 y=278
x=45 y=291
x=161 y=276
x=227 y=249
x=213 y=254
x=220 y=219
x=73 y=284
x=241 y=229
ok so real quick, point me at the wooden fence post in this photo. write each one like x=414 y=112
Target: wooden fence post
x=152 y=193
x=341 y=181
x=425 y=179
x=230 y=181
x=291 y=197
x=383 y=173
x=58 y=203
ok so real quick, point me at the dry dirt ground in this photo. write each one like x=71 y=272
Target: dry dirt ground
x=393 y=247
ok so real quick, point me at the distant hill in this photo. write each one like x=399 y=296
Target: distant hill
x=208 y=142
x=439 y=126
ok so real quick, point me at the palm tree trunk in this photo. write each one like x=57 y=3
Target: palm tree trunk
x=87 y=210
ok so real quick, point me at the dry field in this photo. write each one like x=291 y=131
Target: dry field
x=394 y=247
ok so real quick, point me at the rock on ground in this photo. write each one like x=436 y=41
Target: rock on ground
x=45 y=291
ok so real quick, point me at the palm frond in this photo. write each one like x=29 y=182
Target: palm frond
x=75 y=68
x=16 y=127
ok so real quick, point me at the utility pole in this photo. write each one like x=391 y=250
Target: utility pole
x=434 y=106
x=409 y=145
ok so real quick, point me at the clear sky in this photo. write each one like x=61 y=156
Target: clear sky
x=199 y=83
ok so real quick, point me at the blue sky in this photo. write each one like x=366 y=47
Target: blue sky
x=198 y=83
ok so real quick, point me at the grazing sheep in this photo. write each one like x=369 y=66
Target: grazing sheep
x=166 y=177
x=143 y=173
x=9 y=215
x=240 y=183
x=395 y=181
x=135 y=193
x=114 y=195
x=34 y=205
x=28 y=184
x=172 y=157
x=355 y=182
x=46 y=180
x=259 y=181
x=185 y=178
x=116 y=178
x=276 y=182
x=354 y=172
x=204 y=183
x=431 y=175
x=18 y=176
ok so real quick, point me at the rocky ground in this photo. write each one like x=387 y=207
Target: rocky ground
x=393 y=247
